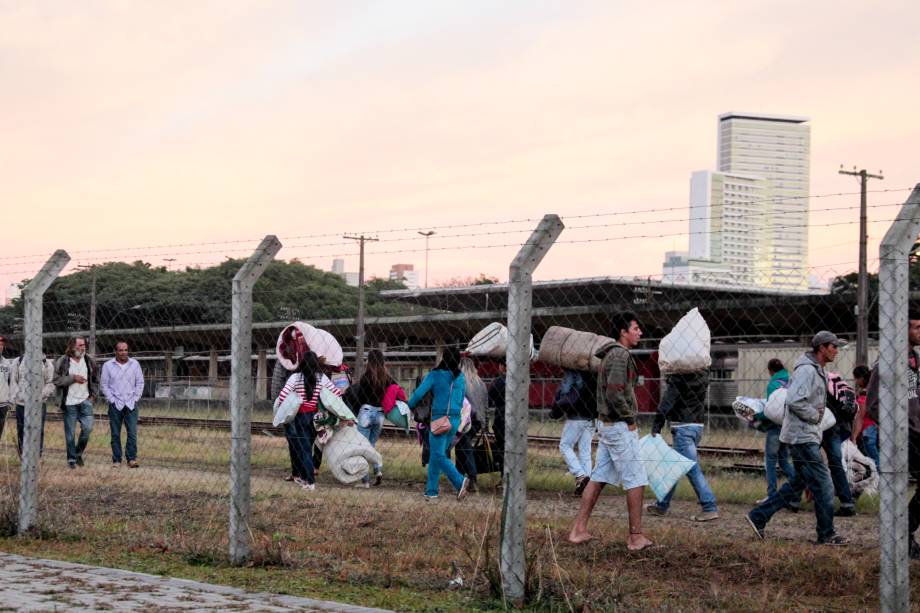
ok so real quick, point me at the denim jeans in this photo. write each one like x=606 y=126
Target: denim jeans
x=370 y=424
x=577 y=433
x=831 y=442
x=127 y=417
x=870 y=444
x=21 y=428
x=775 y=451
x=466 y=456
x=300 y=433
x=685 y=441
x=73 y=413
x=810 y=472
x=438 y=461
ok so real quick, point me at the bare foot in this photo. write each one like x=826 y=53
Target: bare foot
x=638 y=542
x=579 y=537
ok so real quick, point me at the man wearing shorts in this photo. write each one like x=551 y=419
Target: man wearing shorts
x=618 y=461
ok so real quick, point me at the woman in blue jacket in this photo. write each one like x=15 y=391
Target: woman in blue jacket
x=446 y=384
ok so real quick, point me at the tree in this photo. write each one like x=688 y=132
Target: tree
x=482 y=279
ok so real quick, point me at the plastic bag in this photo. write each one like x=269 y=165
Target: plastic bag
x=335 y=405
x=775 y=407
x=862 y=473
x=286 y=410
x=748 y=409
x=663 y=465
x=399 y=416
x=686 y=347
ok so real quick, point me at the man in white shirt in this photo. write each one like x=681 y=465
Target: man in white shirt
x=76 y=376
x=123 y=384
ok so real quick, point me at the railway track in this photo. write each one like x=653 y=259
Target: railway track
x=748 y=459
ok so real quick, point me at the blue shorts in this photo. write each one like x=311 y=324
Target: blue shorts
x=618 y=461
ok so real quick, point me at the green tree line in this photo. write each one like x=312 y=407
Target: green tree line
x=140 y=295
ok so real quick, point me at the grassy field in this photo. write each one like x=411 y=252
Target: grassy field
x=387 y=547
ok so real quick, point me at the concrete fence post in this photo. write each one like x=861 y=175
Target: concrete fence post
x=34 y=382
x=894 y=579
x=241 y=397
x=517 y=393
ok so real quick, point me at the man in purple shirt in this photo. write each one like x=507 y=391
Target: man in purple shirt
x=122 y=384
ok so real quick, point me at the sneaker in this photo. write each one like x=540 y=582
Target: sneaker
x=464 y=489
x=580 y=484
x=308 y=486
x=80 y=460
x=116 y=464
x=473 y=487
x=71 y=465
x=654 y=509
x=300 y=482
x=378 y=479
x=845 y=511
x=834 y=539
x=757 y=531
x=431 y=498
x=706 y=516
x=288 y=478
x=133 y=464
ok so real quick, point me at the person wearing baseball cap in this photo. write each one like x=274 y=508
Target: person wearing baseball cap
x=806 y=401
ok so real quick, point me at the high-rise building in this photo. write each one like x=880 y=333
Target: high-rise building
x=750 y=218
x=777 y=148
x=726 y=225
x=405 y=273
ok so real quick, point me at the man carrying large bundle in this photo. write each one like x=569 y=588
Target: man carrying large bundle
x=618 y=461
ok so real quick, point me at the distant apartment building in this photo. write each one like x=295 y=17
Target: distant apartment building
x=405 y=273
x=749 y=219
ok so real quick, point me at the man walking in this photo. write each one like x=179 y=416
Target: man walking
x=684 y=405
x=18 y=383
x=806 y=402
x=75 y=374
x=913 y=408
x=618 y=461
x=123 y=384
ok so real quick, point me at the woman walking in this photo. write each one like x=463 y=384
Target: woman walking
x=477 y=394
x=307 y=383
x=446 y=383
x=376 y=395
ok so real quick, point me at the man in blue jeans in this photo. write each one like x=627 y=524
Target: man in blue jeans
x=684 y=405
x=76 y=376
x=806 y=402
x=123 y=384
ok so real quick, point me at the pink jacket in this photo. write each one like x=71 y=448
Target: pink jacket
x=393 y=393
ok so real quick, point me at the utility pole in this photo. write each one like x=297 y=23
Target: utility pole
x=862 y=287
x=427 y=235
x=359 y=323
x=91 y=344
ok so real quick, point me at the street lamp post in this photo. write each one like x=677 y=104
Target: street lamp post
x=427 y=235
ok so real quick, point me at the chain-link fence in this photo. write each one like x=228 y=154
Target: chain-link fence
x=551 y=406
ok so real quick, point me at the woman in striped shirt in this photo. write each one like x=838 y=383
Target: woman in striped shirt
x=301 y=430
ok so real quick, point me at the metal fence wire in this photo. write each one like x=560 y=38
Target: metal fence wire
x=356 y=484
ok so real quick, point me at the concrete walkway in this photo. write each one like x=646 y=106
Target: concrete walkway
x=31 y=584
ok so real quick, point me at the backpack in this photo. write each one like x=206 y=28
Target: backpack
x=841 y=398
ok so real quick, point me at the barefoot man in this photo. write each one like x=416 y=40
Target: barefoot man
x=618 y=460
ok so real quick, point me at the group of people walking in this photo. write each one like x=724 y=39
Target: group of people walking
x=77 y=381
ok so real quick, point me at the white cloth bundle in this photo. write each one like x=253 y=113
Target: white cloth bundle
x=349 y=455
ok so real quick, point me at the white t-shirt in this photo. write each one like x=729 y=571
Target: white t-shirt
x=78 y=392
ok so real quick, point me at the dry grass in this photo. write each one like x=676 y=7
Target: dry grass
x=387 y=547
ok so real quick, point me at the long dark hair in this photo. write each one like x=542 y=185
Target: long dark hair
x=311 y=368
x=376 y=376
x=450 y=360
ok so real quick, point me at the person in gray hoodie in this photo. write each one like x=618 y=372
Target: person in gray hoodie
x=806 y=402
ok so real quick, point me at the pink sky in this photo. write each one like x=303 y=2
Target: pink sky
x=160 y=123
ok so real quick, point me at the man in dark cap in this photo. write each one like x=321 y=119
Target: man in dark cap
x=806 y=402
